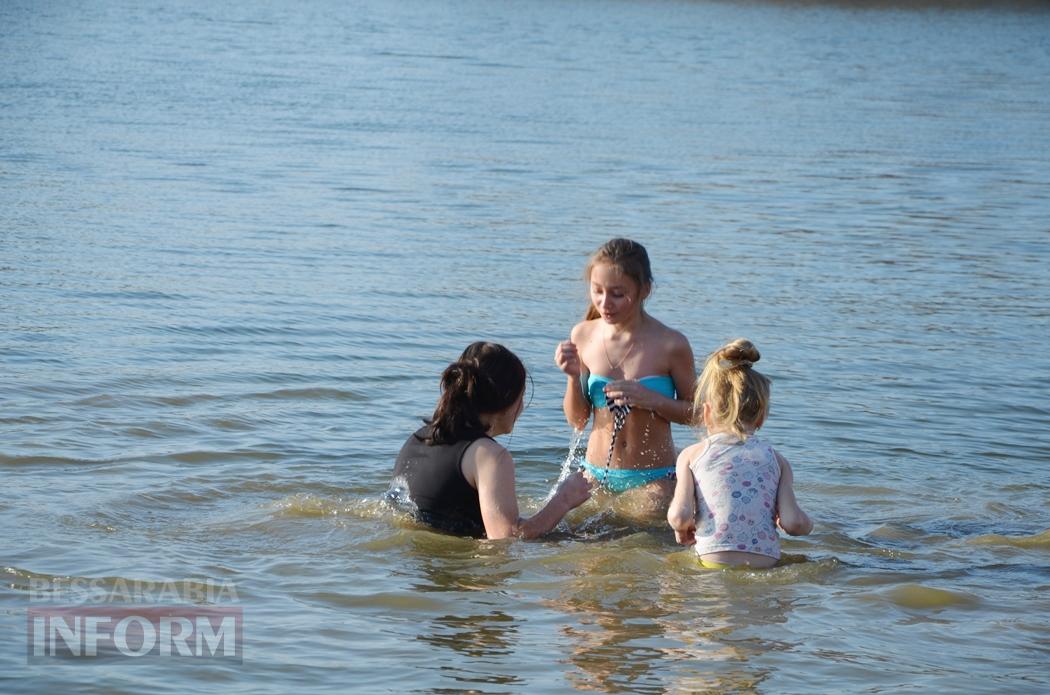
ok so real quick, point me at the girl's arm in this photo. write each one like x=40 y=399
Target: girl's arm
x=493 y=475
x=683 y=372
x=575 y=404
x=681 y=515
x=790 y=516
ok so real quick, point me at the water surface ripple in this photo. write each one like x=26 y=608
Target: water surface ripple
x=238 y=243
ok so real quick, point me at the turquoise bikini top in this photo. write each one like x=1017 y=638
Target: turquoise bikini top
x=596 y=387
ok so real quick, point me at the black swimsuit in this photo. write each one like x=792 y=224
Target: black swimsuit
x=431 y=476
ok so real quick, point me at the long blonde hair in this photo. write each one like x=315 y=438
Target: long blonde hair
x=629 y=257
x=737 y=393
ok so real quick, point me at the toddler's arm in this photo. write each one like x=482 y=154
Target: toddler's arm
x=681 y=515
x=790 y=516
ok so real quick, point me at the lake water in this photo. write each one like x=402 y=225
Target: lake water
x=239 y=243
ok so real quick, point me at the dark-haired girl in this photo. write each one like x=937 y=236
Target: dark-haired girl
x=452 y=472
x=620 y=355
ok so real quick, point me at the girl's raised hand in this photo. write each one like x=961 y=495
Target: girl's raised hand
x=567 y=357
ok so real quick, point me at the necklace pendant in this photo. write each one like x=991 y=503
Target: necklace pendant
x=616 y=365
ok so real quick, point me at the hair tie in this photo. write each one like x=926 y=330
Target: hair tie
x=735 y=364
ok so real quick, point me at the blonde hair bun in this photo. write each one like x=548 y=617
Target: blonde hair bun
x=739 y=354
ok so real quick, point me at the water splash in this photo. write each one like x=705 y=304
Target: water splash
x=573 y=461
x=397 y=495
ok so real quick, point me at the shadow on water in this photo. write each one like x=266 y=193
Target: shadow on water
x=440 y=566
x=632 y=612
x=643 y=621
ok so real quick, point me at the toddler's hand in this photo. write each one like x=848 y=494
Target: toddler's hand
x=687 y=537
x=793 y=521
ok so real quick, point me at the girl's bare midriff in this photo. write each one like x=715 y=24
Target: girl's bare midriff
x=643 y=443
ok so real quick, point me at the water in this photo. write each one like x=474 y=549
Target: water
x=240 y=242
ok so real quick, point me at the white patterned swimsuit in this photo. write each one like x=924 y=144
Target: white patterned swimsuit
x=736 y=492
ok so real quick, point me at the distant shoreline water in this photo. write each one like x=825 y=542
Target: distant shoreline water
x=239 y=243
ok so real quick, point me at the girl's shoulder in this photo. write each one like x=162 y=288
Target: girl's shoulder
x=584 y=329
x=486 y=448
x=694 y=451
x=761 y=452
x=760 y=444
x=720 y=445
x=668 y=337
x=485 y=455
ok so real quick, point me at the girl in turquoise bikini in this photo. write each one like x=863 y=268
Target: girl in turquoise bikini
x=619 y=355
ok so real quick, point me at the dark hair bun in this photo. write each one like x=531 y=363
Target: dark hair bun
x=487 y=378
x=460 y=377
x=740 y=353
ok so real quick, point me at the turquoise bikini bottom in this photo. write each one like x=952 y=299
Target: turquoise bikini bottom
x=620 y=479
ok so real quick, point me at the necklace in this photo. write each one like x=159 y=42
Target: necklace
x=623 y=359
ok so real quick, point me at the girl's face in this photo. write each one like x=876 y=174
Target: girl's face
x=511 y=414
x=519 y=407
x=503 y=422
x=616 y=296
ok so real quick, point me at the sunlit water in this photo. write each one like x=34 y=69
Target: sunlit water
x=239 y=243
